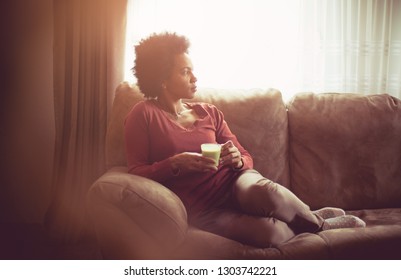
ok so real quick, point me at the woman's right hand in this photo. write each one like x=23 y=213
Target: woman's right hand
x=191 y=162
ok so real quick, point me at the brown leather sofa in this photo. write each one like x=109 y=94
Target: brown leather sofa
x=330 y=149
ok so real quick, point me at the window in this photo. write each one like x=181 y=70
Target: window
x=291 y=45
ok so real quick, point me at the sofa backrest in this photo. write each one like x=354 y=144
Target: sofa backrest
x=345 y=150
x=258 y=118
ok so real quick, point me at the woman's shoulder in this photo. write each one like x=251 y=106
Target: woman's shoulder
x=143 y=106
x=204 y=105
x=207 y=109
x=141 y=109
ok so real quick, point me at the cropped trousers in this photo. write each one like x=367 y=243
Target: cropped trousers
x=259 y=212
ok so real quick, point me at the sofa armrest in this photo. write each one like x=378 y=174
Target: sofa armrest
x=135 y=217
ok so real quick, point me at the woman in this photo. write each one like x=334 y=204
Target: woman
x=163 y=138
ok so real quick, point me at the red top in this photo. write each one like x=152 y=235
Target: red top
x=151 y=137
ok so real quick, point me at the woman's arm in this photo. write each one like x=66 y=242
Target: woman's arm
x=232 y=153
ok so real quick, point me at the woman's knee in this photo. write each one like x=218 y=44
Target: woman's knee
x=253 y=184
x=258 y=197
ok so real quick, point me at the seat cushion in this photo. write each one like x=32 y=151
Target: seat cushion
x=377 y=242
x=381 y=239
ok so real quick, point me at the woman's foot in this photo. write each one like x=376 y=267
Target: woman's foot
x=329 y=212
x=347 y=221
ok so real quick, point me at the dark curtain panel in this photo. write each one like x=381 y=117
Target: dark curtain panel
x=89 y=44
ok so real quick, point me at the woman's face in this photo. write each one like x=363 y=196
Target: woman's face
x=181 y=83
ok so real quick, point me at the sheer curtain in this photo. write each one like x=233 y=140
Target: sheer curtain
x=88 y=42
x=351 y=46
x=292 y=45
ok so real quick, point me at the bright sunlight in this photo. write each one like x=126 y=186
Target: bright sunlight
x=234 y=44
x=290 y=45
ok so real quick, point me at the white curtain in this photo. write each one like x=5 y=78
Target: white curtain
x=291 y=45
x=351 y=46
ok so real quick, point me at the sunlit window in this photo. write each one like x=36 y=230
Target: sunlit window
x=234 y=44
x=290 y=45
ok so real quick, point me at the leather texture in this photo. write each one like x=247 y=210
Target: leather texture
x=345 y=150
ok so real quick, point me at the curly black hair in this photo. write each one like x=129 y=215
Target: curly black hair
x=155 y=59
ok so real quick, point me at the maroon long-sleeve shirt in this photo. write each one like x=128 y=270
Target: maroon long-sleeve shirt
x=151 y=137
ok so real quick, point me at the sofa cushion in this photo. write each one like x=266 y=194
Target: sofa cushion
x=377 y=242
x=345 y=150
x=258 y=117
x=124 y=99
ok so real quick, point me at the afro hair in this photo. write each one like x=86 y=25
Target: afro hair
x=155 y=59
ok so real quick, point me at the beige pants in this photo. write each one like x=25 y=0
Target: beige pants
x=261 y=213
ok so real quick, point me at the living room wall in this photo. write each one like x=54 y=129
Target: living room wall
x=27 y=110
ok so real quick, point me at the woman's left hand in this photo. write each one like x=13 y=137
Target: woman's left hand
x=230 y=155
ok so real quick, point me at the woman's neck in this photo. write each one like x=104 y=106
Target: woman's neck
x=173 y=107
